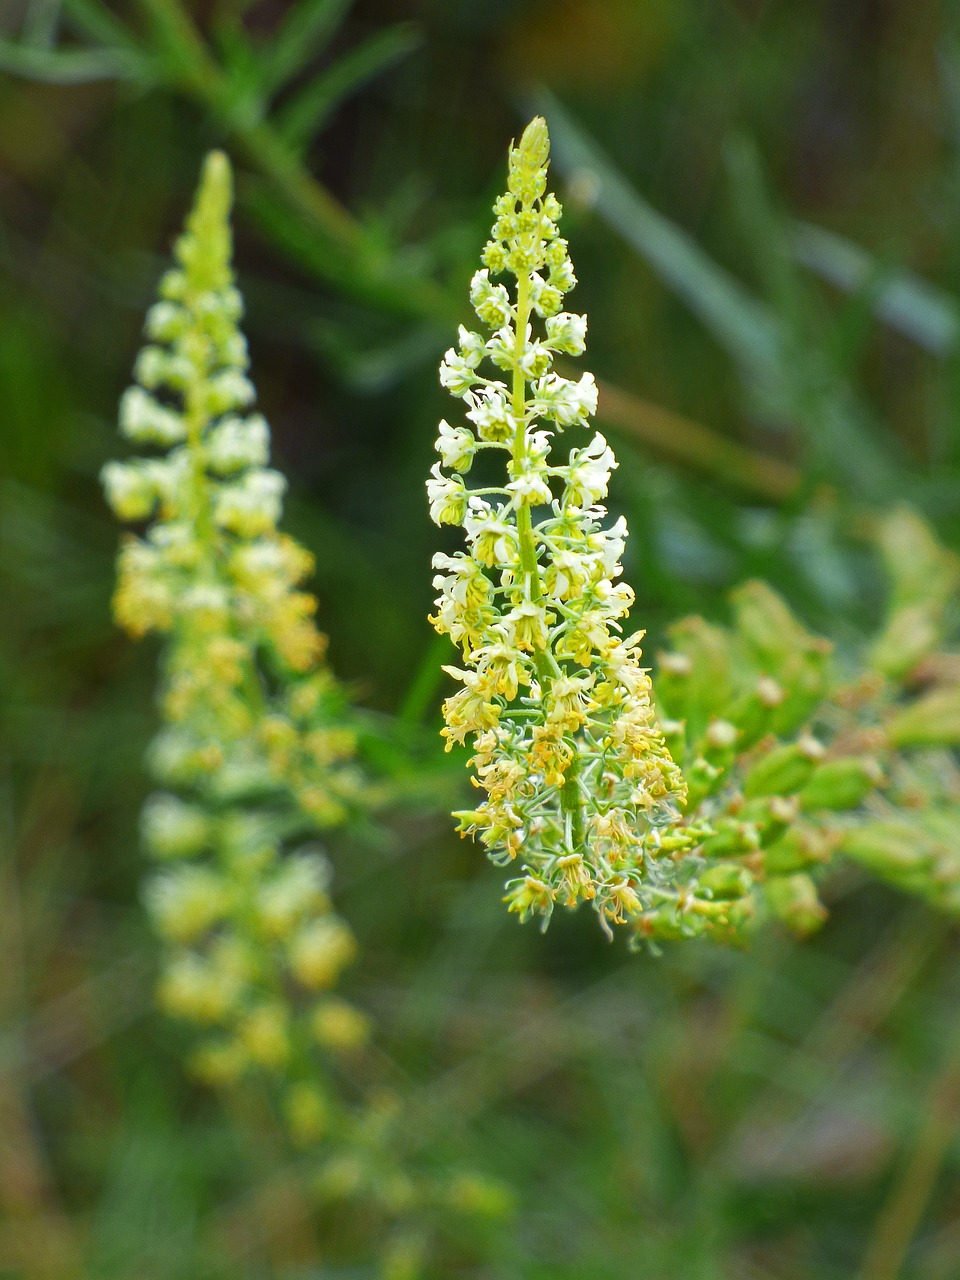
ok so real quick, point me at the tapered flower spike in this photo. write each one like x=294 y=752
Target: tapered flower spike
x=576 y=774
x=256 y=749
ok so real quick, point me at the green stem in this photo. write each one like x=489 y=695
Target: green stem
x=547 y=666
x=570 y=799
x=196 y=421
x=529 y=561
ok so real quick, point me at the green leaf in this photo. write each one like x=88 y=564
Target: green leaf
x=302 y=35
x=69 y=66
x=305 y=114
x=926 y=315
x=242 y=101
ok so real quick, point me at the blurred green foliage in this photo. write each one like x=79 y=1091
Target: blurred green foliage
x=762 y=206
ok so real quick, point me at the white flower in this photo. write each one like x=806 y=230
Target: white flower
x=447 y=496
x=567 y=403
x=156 y=367
x=456 y=446
x=538 y=445
x=567 y=332
x=530 y=489
x=457 y=372
x=172 y=828
x=466 y=585
x=609 y=544
x=530 y=485
x=236 y=443
x=207 y=605
x=186 y=902
x=491 y=302
x=492 y=539
x=166 y=321
x=147 y=421
x=471 y=346
x=547 y=299
x=535 y=360
x=561 y=275
x=129 y=490
x=228 y=390
x=525 y=626
x=491 y=415
x=502 y=348
x=569 y=573
x=588 y=477
x=251 y=506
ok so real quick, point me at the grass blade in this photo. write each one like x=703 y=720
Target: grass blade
x=926 y=315
x=301 y=36
x=68 y=66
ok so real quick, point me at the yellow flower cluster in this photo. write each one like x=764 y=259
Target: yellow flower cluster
x=575 y=770
x=256 y=752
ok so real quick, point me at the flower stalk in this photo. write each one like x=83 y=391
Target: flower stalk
x=576 y=772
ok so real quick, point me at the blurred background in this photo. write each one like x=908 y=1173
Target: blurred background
x=763 y=205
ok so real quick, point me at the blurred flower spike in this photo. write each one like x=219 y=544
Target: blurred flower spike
x=257 y=751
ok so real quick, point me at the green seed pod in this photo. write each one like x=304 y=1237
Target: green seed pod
x=726 y=880
x=794 y=901
x=672 y=683
x=703 y=779
x=783 y=649
x=696 y=680
x=841 y=784
x=798 y=848
x=754 y=712
x=719 y=744
x=770 y=815
x=784 y=770
x=897 y=850
x=923 y=578
x=724 y=916
x=933 y=720
x=731 y=839
x=663 y=924
x=912 y=633
x=675 y=736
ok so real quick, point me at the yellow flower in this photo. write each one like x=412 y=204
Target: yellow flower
x=561 y=708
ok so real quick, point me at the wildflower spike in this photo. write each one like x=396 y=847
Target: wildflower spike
x=575 y=769
x=256 y=748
